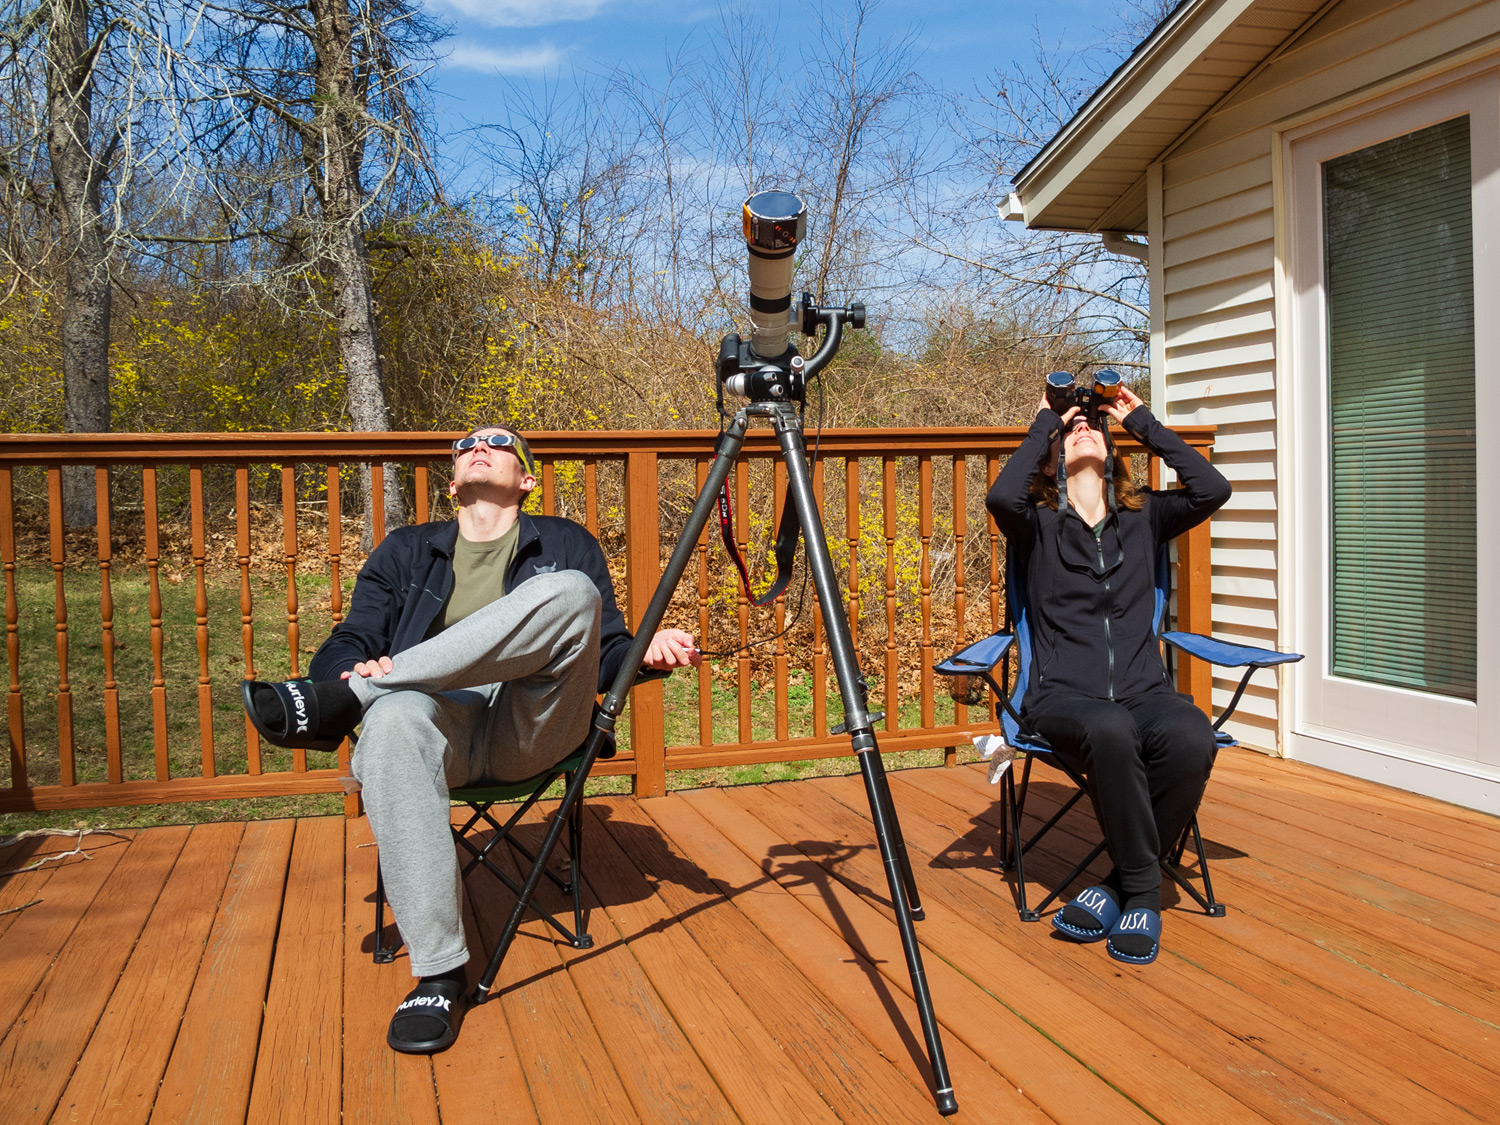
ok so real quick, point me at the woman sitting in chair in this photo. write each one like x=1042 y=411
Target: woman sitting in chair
x=1086 y=542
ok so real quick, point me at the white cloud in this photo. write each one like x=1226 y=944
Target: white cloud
x=523 y=60
x=523 y=13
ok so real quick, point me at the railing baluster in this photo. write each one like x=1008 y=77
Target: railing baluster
x=247 y=607
x=742 y=535
x=16 y=709
x=377 y=501
x=335 y=546
x=924 y=530
x=66 y=772
x=200 y=611
x=420 y=486
x=705 y=670
x=591 y=496
x=819 y=657
x=289 y=550
x=112 y=755
x=352 y=806
x=158 y=638
x=851 y=532
x=960 y=543
x=892 y=655
x=992 y=470
x=779 y=676
x=549 y=489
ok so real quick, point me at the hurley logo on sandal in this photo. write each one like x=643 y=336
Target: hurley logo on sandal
x=426 y=1002
x=300 y=703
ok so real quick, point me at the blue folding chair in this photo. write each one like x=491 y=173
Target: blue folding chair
x=983 y=657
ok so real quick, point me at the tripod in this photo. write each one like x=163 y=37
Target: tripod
x=857 y=723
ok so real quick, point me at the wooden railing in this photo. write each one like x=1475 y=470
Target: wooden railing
x=234 y=516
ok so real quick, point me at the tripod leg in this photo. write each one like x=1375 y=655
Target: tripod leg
x=898 y=841
x=862 y=738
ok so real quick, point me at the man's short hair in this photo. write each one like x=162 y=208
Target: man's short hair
x=522 y=449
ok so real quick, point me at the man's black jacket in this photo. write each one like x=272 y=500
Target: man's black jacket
x=1093 y=600
x=406 y=580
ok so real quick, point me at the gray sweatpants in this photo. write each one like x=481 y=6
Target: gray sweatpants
x=500 y=696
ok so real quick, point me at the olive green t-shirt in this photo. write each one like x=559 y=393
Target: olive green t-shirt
x=478 y=575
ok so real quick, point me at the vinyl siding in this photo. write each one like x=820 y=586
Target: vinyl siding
x=1217 y=309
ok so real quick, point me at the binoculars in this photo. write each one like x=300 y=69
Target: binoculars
x=1064 y=393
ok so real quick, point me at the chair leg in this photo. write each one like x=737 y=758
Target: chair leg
x=1211 y=906
x=384 y=954
x=560 y=821
x=574 y=885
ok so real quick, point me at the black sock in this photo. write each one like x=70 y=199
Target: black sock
x=1081 y=919
x=1138 y=945
x=338 y=706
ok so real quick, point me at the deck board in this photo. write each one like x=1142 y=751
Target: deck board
x=745 y=968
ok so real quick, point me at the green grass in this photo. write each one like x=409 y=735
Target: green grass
x=134 y=671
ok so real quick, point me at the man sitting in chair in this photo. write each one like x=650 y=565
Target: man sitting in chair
x=472 y=653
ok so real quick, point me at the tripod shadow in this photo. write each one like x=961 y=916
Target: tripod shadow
x=815 y=865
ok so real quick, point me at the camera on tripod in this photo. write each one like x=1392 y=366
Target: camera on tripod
x=1064 y=393
x=767 y=367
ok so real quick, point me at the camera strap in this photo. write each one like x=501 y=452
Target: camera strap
x=787 y=533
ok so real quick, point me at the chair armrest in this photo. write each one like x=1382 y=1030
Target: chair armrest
x=647 y=675
x=980 y=656
x=1227 y=655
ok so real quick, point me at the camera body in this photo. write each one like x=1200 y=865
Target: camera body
x=1064 y=393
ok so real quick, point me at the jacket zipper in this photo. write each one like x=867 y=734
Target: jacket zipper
x=1109 y=640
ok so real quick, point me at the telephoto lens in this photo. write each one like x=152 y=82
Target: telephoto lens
x=775 y=222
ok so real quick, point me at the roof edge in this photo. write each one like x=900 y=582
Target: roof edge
x=1163 y=39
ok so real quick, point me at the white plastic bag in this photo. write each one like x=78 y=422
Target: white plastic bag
x=992 y=749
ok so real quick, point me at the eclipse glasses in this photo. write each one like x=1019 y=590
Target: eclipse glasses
x=495 y=441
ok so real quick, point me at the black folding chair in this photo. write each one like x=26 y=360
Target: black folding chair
x=533 y=866
x=982 y=659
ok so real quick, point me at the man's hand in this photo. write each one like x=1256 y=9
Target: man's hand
x=1123 y=403
x=672 y=648
x=371 y=669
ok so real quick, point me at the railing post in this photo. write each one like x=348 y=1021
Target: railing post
x=1195 y=611
x=648 y=738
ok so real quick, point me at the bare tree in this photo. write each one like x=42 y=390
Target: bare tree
x=90 y=90
x=323 y=101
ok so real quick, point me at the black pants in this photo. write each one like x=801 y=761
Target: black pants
x=1146 y=760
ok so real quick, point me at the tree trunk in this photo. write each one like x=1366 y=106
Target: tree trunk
x=359 y=348
x=77 y=173
x=338 y=136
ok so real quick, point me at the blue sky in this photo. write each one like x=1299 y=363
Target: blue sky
x=495 y=42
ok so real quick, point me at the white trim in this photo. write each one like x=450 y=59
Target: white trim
x=1475 y=786
x=1316 y=701
x=1156 y=275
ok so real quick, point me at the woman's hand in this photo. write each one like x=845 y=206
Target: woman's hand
x=1067 y=417
x=1122 y=404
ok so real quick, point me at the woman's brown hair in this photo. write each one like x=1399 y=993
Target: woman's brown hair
x=1127 y=495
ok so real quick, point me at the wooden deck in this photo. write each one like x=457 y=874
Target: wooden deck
x=745 y=969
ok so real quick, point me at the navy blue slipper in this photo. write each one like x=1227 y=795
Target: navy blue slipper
x=1139 y=922
x=1098 y=903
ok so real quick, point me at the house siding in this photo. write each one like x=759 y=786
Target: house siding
x=1213 y=232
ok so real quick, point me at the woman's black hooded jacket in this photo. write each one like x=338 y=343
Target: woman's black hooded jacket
x=1093 y=599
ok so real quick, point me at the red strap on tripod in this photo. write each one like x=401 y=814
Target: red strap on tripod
x=787 y=533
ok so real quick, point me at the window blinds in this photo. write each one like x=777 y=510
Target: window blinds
x=1398 y=256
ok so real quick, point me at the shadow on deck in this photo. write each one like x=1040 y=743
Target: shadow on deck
x=746 y=969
